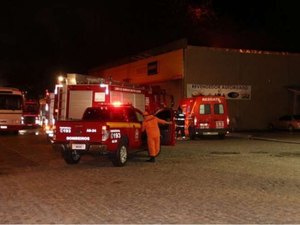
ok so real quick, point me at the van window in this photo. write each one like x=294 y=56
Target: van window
x=204 y=109
x=219 y=109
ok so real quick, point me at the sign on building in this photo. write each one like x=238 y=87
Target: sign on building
x=238 y=92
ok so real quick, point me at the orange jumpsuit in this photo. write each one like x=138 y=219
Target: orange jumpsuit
x=150 y=124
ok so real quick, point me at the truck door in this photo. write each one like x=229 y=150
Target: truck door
x=167 y=131
x=135 y=128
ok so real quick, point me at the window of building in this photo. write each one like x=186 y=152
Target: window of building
x=152 y=68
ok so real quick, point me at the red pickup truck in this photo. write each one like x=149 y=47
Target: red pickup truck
x=116 y=130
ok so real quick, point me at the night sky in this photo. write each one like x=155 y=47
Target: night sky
x=39 y=40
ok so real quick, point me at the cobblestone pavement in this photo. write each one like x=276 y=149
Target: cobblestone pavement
x=236 y=180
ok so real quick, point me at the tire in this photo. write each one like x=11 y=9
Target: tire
x=71 y=157
x=192 y=133
x=119 y=158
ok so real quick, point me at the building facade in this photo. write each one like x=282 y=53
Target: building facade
x=260 y=86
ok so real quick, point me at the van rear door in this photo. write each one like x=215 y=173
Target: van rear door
x=220 y=115
x=213 y=113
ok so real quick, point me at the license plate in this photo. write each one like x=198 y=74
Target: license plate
x=210 y=133
x=78 y=146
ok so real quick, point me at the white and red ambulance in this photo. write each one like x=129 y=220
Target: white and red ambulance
x=205 y=115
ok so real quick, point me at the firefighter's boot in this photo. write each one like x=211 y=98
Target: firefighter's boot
x=152 y=159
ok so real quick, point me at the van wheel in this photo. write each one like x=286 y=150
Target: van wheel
x=120 y=156
x=71 y=157
x=192 y=133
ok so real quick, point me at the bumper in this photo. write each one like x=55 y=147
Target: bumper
x=11 y=127
x=208 y=132
x=82 y=147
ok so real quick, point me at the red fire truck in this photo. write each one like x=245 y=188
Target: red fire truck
x=110 y=129
x=31 y=114
x=75 y=92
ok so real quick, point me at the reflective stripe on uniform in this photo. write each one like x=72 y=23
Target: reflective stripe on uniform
x=123 y=125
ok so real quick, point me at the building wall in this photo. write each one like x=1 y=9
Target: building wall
x=169 y=67
x=169 y=72
x=268 y=74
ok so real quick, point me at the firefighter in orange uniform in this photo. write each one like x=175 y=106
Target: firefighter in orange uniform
x=150 y=125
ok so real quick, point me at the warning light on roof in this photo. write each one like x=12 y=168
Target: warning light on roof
x=60 y=79
x=106 y=88
x=117 y=103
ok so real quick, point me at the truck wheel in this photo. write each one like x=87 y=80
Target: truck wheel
x=120 y=156
x=71 y=157
x=192 y=133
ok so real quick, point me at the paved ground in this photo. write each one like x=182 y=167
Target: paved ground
x=236 y=180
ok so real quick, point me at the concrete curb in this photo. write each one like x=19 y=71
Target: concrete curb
x=253 y=137
x=274 y=140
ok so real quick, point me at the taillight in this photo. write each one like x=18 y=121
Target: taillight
x=105 y=133
x=37 y=120
x=228 y=121
x=203 y=125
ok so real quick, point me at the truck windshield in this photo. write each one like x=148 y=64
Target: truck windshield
x=31 y=108
x=11 y=102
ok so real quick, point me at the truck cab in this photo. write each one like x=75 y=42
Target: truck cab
x=31 y=114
